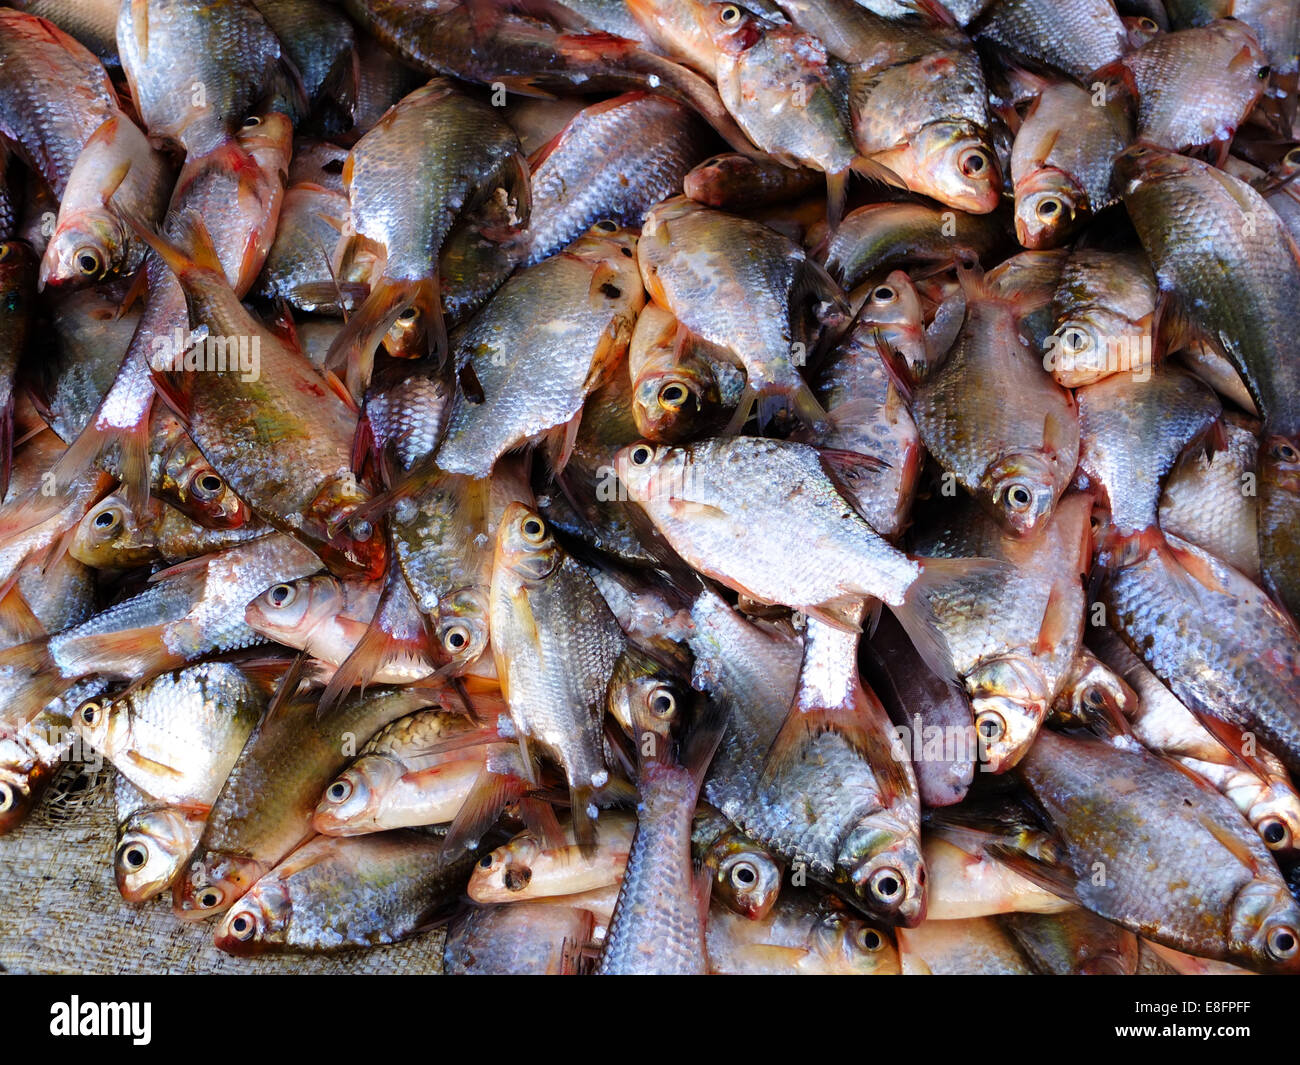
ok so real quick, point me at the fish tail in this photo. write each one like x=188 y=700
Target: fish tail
x=778 y=403
x=191 y=248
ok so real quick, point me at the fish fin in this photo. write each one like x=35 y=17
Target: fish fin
x=1234 y=845
x=78 y=656
x=287 y=689
x=1056 y=878
x=265 y=673
x=837 y=196
x=942 y=332
x=581 y=818
x=935 y=12
x=153 y=766
x=539 y=818
x=877 y=173
x=848 y=468
x=353 y=349
x=900 y=374
x=775 y=402
x=1238 y=742
x=17 y=620
x=192 y=249
x=617 y=792
x=711 y=719
x=1058 y=620
x=844 y=614
x=1171 y=326
x=560 y=442
x=395 y=633
x=917 y=615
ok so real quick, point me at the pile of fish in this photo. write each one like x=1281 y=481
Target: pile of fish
x=664 y=486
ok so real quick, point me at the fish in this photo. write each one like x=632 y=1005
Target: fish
x=674 y=380
x=973 y=946
x=333 y=894
x=153 y=841
x=530 y=867
x=751 y=306
x=538 y=938
x=536 y=366
x=805 y=934
x=265 y=807
x=746 y=877
x=177 y=737
x=1145 y=821
x=402 y=780
x=614 y=160
x=234 y=63
x=1018 y=466
x=1076 y=37
x=53 y=97
x=469 y=153
x=553 y=676
x=1061 y=162
x=735 y=182
x=659 y=922
x=1103 y=318
x=117 y=175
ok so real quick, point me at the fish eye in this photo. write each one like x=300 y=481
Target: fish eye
x=1285 y=451
x=517 y=879
x=1263 y=72
x=408 y=315
x=5 y=249
x=1049 y=209
x=1095 y=697
x=662 y=702
x=1292 y=158
x=607 y=225
x=88 y=261
x=208 y=486
x=485 y=862
x=7 y=798
x=208 y=898
x=534 y=530
x=361 y=531
x=339 y=791
x=991 y=726
x=729 y=15
x=973 y=162
x=869 y=940
x=1148 y=24
x=1275 y=833
x=641 y=455
x=457 y=637
x=744 y=875
x=252 y=122
x=135 y=855
x=672 y=396
x=282 y=594
x=883 y=294
x=610 y=291
x=107 y=519
x=887 y=885
x=1282 y=943
x=243 y=926
x=1019 y=497
x=89 y=711
x=1075 y=340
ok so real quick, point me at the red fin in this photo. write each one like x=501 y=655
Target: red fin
x=489 y=795
x=539 y=818
x=17 y=621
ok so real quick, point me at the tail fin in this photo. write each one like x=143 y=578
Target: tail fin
x=353 y=349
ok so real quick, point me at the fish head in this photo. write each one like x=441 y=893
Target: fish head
x=407 y=337
x=954 y=163
x=1279 y=462
x=289 y=611
x=258 y=921
x=733 y=29
x=1265 y=926
x=892 y=309
x=1009 y=704
x=1084 y=350
x=1093 y=689
x=199 y=491
x=353 y=798
x=350 y=544
x=23 y=778
x=882 y=860
x=848 y=943
x=746 y=879
x=502 y=875
x=112 y=536
x=103 y=723
x=152 y=845
x=461 y=627
x=525 y=544
x=214 y=882
x=1022 y=489
x=670 y=405
x=646 y=471
x=1049 y=208
x=1275 y=815
x=90 y=245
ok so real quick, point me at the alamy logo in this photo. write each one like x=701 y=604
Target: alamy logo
x=205 y=352
x=103 y=1018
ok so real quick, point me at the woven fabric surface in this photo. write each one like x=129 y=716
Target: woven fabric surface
x=60 y=911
